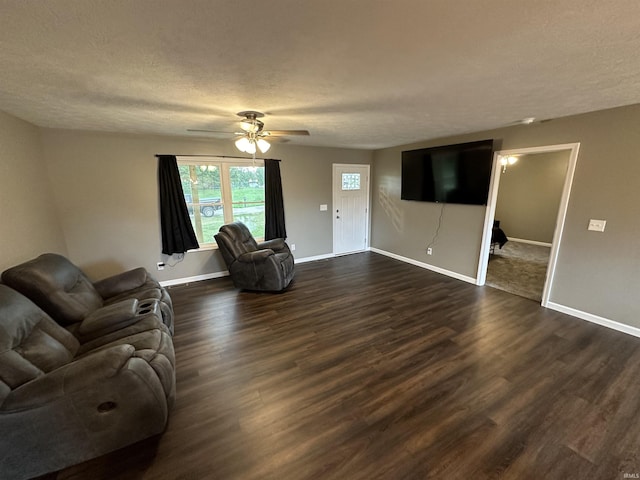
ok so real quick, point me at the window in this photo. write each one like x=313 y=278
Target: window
x=350 y=181
x=218 y=191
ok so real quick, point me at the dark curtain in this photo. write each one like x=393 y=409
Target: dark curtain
x=273 y=203
x=177 y=232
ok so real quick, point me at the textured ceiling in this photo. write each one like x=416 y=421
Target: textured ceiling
x=355 y=73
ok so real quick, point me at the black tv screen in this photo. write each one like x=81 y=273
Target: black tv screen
x=449 y=174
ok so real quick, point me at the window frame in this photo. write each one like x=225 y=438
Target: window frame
x=226 y=198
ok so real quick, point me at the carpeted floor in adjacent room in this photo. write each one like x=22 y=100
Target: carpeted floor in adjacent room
x=519 y=268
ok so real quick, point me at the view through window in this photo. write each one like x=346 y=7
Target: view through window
x=218 y=191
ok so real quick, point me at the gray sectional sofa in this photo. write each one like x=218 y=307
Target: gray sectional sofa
x=84 y=368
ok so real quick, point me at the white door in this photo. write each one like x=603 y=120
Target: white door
x=350 y=208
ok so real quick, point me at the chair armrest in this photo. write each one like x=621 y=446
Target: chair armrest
x=275 y=244
x=78 y=375
x=256 y=256
x=108 y=319
x=122 y=282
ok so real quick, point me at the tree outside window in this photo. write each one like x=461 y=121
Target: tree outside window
x=219 y=192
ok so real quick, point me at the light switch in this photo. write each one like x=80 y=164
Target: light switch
x=597 y=225
x=323 y=208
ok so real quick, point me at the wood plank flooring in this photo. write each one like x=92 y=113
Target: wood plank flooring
x=369 y=368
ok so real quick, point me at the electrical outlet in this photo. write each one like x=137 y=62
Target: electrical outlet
x=160 y=265
x=429 y=251
x=293 y=247
x=597 y=225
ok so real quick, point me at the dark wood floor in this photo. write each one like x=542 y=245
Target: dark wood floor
x=369 y=368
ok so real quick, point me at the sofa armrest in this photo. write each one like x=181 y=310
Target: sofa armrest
x=275 y=244
x=256 y=256
x=122 y=282
x=72 y=377
x=108 y=319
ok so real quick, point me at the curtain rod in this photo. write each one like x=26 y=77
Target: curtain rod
x=219 y=156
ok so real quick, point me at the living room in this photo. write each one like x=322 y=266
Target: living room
x=56 y=163
x=89 y=191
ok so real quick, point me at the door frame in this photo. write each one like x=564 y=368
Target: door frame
x=483 y=261
x=334 y=193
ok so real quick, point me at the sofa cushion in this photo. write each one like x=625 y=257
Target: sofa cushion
x=238 y=240
x=4 y=392
x=56 y=285
x=121 y=282
x=63 y=291
x=155 y=347
x=109 y=319
x=31 y=344
x=147 y=317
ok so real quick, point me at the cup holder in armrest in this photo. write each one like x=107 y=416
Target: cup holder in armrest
x=147 y=306
x=105 y=407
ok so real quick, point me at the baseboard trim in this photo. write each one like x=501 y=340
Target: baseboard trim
x=225 y=273
x=314 y=258
x=196 y=278
x=590 y=317
x=530 y=242
x=426 y=266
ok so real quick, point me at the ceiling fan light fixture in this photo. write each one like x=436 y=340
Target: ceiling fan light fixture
x=251 y=147
x=250 y=125
x=242 y=144
x=263 y=145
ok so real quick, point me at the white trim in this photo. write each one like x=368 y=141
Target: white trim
x=334 y=194
x=225 y=273
x=196 y=278
x=207 y=159
x=314 y=258
x=427 y=266
x=530 y=242
x=485 y=247
x=489 y=214
x=590 y=317
x=562 y=214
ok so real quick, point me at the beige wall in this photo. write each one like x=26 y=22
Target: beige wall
x=597 y=273
x=27 y=214
x=105 y=186
x=406 y=228
x=529 y=196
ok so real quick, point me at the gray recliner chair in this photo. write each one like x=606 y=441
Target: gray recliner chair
x=64 y=401
x=266 y=266
x=62 y=290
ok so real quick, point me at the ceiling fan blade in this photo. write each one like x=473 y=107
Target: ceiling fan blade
x=211 y=131
x=281 y=133
x=278 y=140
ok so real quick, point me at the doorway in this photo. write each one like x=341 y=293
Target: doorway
x=350 y=208
x=531 y=222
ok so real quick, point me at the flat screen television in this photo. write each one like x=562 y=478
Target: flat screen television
x=449 y=174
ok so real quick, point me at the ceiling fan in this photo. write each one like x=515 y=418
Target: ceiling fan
x=253 y=135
